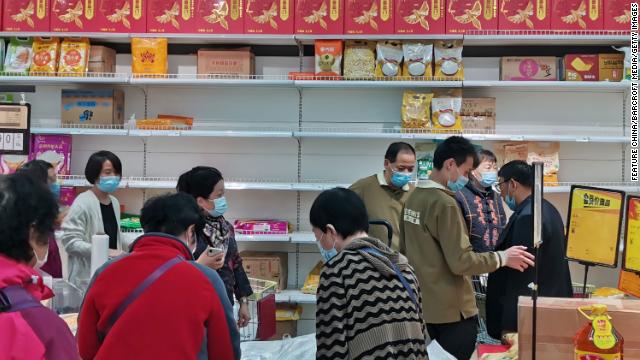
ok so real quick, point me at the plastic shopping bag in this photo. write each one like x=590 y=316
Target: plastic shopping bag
x=436 y=352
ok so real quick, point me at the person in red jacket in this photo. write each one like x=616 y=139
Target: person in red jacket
x=156 y=302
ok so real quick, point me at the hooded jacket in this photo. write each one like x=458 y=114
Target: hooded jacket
x=363 y=309
x=35 y=332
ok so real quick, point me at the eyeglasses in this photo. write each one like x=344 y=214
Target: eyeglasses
x=496 y=186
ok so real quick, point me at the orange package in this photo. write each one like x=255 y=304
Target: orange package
x=74 y=56
x=329 y=58
x=45 y=56
x=149 y=56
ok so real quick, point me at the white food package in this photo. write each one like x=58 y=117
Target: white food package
x=436 y=352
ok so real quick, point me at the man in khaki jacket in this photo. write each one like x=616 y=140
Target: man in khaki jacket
x=435 y=240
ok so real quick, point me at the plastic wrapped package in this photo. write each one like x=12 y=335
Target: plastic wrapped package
x=297 y=348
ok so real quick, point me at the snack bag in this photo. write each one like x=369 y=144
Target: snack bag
x=45 y=55
x=329 y=58
x=74 y=56
x=424 y=153
x=418 y=58
x=416 y=110
x=448 y=57
x=389 y=59
x=359 y=59
x=19 y=54
x=149 y=56
x=445 y=110
x=313 y=279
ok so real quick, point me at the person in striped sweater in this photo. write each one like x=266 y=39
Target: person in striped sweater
x=369 y=304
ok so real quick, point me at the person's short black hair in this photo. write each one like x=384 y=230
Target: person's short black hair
x=171 y=214
x=457 y=148
x=487 y=155
x=38 y=169
x=25 y=203
x=341 y=208
x=397 y=147
x=519 y=171
x=199 y=181
x=96 y=160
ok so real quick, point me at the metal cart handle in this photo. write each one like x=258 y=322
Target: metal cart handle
x=386 y=224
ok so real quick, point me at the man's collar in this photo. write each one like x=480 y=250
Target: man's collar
x=383 y=181
x=430 y=184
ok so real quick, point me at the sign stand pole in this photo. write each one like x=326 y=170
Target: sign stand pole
x=584 y=282
x=538 y=187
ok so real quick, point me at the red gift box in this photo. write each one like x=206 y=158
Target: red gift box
x=170 y=16
x=69 y=16
x=115 y=16
x=26 y=15
x=369 y=17
x=219 y=16
x=524 y=15
x=319 y=16
x=420 y=17
x=269 y=17
x=477 y=15
x=617 y=15
x=577 y=15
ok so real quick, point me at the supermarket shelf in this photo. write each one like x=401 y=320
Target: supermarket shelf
x=594 y=86
x=80 y=131
x=54 y=79
x=199 y=80
x=375 y=83
x=295 y=296
x=303 y=237
x=549 y=39
x=263 y=237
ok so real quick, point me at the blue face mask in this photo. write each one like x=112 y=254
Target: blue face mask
x=459 y=184
x=327 y=254
x=108 y=184
x=220 y=207
x=400 y=179
x=55 y=189
x=510 y=201
x=489 y=178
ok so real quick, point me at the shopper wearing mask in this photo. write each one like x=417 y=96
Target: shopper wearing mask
x=435 y=240
x=95 y=211
x=368 y=299
x=156 y=302
x=385 y=193
x=206 y=185
x=515 y=181
x=28 y=330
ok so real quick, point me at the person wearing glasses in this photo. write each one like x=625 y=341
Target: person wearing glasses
x=385 y=193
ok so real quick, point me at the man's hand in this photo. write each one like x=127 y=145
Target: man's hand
x=518 y=258
x=215 y=262
x=243 y=315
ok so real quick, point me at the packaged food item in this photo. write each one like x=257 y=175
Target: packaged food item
x=19 y=56
x=45 y=56
x=25 y=15
x=420 y=17
x=479 y=114
x=534 y=68
x=577 y=15
x=54 y=149
x=170 y=16
x=319 y=16
x=617 y=15
x=287 y=316
x=545 y=152
x=68 y=16
x=466 y=15
x=261 y=226
x=226 y=62
x=102 y=60
x=607 y=292
x=74 y=56
x=116 y=16
x=627 y=61
x=313 y=280
x=166 y=122
x=424 y=153
x=328 y=58
x=445 y=110
x=389 y=59
x=149 y=56
x=418 y=59
x=611 y=67
x=448 y=58
x=525 y=15
x=89 y=107
x=359 y=59
x=581 y=67
x=296 y=75
x=369 y=17
x=416 y=110
x=219 y=16
x=269 y=17
x=598 y=339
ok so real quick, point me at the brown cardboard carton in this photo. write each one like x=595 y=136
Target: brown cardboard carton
x=479 y=114
x=289 y=327
x=102 y=59
x=266 y=266
x=226 y=62
x=532 y=68
x=611 y=67
x=92 y=107
x=559 y=321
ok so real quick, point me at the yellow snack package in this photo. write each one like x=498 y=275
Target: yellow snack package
x=445 y=110
x=45 y=56
x=313 y=280
x=149 y=56
x=448 y=58
x=415 y=110
x=74 y=56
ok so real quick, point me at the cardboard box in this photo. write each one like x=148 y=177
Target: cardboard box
x=170 y=16
x=420 y=17
x=577 y=15
x=102 y=59
x=617 y=15
x=116 y=16
x=319 y=17
x=611 y=67
x=471 y=15
x=93 y=107
x=283 y=328
x=228 y=62
x=581 y=67
x=69 y=16
x=269 y=17
x=54 y=149
x=524 y=15
x=26 y=15
x=534 y=68
x=559 y=321
x=479 y=114
x=219 y=16
x=369 y=17
x=266 y=266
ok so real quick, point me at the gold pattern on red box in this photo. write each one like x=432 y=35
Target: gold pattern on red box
x=219 y=16
x=25 y=15
x=524 y=15
x=577 y=15
x=269 y=17
x=369 y=17
x=319 y=16
x=67 y=16
x=465 y=15
x=617 y=15
x=420 y=16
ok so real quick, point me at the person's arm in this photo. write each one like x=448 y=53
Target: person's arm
x=331 y=339
x=87 y=334
x=243 y=286
x=73 y=232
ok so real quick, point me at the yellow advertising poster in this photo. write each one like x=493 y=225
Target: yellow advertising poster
x=632 y=238
x=594 y=225
x=629 y=283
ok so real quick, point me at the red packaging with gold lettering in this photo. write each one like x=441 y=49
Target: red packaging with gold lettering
x=269 y=17
x=524 y=15
x=369 y=17
x=617 y=15
x=219 y=16
x=420 y=17
x=577 y=15
x=26 y=15
x=116 y=16
x=474 y=15
x=319 y=16
x=170 y=16
x=68 y=16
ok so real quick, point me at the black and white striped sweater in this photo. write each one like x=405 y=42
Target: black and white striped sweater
x=364 y=311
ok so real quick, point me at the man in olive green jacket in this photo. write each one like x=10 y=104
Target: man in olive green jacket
x=435 y=240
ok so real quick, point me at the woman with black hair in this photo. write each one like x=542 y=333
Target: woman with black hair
x=206 y=185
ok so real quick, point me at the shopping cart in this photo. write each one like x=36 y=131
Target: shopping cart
x=480 y=289
x=262 y=309
x=580 y=292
